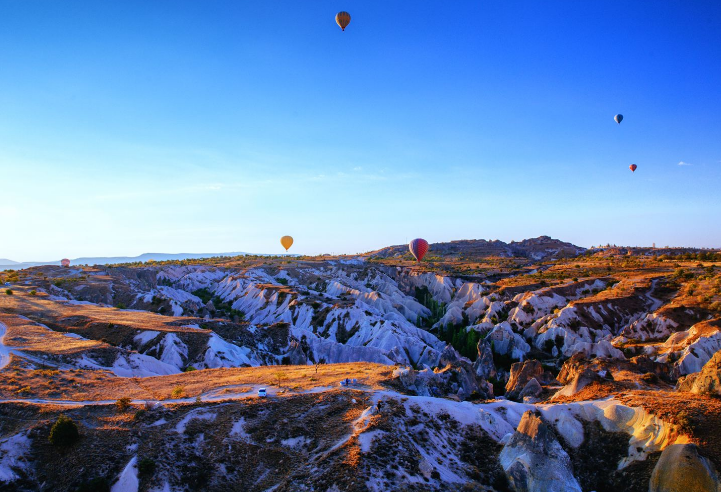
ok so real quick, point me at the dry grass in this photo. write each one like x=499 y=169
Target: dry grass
x=91 y=385
x=40 y=307
x=30 y=336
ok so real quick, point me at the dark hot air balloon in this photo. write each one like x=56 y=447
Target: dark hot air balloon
x=633 y=167
x=618 y=118
x=342 y=19
x=419 y=248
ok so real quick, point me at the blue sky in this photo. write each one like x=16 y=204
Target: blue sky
x=169 y=126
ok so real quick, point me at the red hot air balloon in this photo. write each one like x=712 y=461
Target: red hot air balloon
x=65 y=262
x=419 y=248
x=633 y=167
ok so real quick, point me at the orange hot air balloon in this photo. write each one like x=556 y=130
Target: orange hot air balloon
x=287 y=242
x=342 y=19
x=633 y=167
x=65 y=262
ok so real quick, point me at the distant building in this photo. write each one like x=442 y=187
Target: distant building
x=65 y=262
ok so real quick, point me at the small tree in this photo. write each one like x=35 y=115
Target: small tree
x=64 y=432
x=178 y=391
x=317 y=365
x=123 y=403
x=9 y=292
x=33 y=292
x=280 y=376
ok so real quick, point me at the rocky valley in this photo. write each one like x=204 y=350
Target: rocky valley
x=528 y=366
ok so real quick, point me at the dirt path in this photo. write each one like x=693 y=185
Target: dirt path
x=214 y=395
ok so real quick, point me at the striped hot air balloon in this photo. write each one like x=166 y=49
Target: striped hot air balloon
x=419 y=248
x=342 y=19
x=633 y=167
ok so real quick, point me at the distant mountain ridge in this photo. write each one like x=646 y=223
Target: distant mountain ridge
x=536 y=248
x=108 y=260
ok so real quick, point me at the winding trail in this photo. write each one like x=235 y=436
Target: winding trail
x=656 y=303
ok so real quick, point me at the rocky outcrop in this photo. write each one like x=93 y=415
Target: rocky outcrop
x=579 y=382
x=708 y=381
x=534 y=460
x=455 y=377
x=531 y=391
x=521 y=375
x=682 y=469
x=484 y=365
x=505 y=341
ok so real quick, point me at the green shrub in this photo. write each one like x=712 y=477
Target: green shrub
x=9 y=292
x=650 y=378
x=146 y=466
x=33 y=292
x=64 y=432
x=97 y=484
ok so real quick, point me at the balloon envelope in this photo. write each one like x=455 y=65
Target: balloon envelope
x=342 y=19
x=287 y=242
x=419 y=248
x=618 y=118
x=633 y=167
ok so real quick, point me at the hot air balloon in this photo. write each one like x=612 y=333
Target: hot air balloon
x=65 y=262
x=618 y=118
x=633 y=167
x=342 y=19
x=287 y=242
x=419 y=248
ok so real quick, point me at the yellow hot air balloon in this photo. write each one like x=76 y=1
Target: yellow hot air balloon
x=342 y=19
x=287 y=242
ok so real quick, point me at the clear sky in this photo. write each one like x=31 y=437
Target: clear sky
x=210 y=126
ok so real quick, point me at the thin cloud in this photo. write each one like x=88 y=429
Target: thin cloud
x=682 y=163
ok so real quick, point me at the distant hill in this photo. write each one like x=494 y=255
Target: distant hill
x=108 y=260
x=536 y=249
